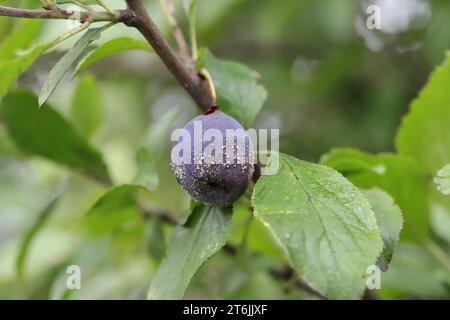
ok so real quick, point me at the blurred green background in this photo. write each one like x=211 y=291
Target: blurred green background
x=331 y=82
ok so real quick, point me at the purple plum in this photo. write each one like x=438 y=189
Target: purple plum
x=214 y=159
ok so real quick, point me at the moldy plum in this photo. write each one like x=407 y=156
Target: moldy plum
x=217 y=183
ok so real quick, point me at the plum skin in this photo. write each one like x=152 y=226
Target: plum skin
x=216 y=184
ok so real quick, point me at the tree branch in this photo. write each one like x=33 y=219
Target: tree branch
x=136 y=16
x=57 y=13
x=188 y=78
x=287 y=273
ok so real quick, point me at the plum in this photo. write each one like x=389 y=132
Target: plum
x=218 y=169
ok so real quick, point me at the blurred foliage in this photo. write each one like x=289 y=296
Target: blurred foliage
x=329 y=84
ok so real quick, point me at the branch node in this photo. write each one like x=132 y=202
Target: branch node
x=128 y=17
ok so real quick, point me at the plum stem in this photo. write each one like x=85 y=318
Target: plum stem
x=212 y=109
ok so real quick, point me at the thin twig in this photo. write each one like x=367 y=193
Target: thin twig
x=286 y=273
x=161 y=214
x=104 y=6
x=169 y=11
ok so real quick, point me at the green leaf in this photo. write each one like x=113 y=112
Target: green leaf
x=390 y=222
x=63 y=65
x=416 y=273
x=90 y=257
x=159 y=131
x=147 y=174
x=87 y=106
x=109 y=48
x=148 y=157
x=189 y=7
x=32 y=232
x=19 y=39
x=156 y=244
x=323 y=223
x=44 y=132
x=257 y=239
x=12 y=69
x=424 y=133
x=115 y=208
x=398 y=175
x=238 y=92
x=205 y=232
x=440 y=222
x=442 y=180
